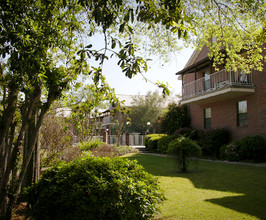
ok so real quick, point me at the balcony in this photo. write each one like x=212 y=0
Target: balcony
x=217 y=86
x=107 y=120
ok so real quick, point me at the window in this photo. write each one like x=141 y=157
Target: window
x=242 y=113
x=207 y=118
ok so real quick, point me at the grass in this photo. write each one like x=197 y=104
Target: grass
x=211 y=191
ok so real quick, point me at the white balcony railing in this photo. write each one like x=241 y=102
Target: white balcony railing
x=215 y=81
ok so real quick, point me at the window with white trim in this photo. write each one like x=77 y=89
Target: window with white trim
x=207 y=118
x=242 y=109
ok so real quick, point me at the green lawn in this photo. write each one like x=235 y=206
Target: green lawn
x=211 y=190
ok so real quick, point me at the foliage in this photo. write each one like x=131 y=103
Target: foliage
x=147 y=137
x=188 y=132
x=211 y=141
x=145 y=109
x=251 y=148
x=230 y=152
x=183 y=148
x=84 y=102
x=89 y=145
x=164 y=142
x=236 y=26
x=101 y=149
x=176 y=117
x=55 y=140
x=151 y=141
x=98 y=188
x=122 y=150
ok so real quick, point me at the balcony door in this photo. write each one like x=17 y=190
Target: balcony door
x=207 y=80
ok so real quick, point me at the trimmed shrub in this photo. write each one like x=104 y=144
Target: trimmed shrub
x=95 y=188
x=147 y=137
x=251 y=148
x=211 y=141
x=183 y=148
x=151 y=141
x=164 y=142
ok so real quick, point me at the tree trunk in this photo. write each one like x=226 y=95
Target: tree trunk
x=32 y=171
x=10 y=191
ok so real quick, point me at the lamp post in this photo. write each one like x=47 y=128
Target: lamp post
x=127 y=134
x=148 y=124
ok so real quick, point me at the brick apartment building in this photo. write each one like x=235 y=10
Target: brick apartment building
x=220 y=99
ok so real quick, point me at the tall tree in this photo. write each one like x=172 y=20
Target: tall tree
x=176 y=116
x=32 y=32
x=146 y=109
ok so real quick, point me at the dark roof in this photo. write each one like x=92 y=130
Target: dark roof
x=199 y=65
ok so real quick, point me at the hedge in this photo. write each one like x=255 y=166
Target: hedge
x=250 y=148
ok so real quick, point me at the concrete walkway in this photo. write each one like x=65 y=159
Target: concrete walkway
x=143 y=150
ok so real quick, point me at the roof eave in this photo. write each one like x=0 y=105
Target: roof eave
x=194 y=66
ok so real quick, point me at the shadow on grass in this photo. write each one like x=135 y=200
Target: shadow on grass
x=247 y=180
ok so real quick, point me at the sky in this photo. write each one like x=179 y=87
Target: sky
x=157 y=71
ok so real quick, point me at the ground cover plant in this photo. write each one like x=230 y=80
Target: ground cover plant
x=94 y=188
x=215 y=190
x=101 y=149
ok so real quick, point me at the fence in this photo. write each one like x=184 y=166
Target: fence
x=133 y=139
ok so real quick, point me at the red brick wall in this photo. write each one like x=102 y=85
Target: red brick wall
x=203 y=54
x=187 y=78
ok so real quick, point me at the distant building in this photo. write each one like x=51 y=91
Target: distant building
x=218 y=99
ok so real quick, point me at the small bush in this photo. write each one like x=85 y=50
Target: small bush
x=95 y=188
x=230 y=152
x=104 y=150
x=183 y=148
x=252 y=148
x=122 y=150
x=211 y=141
x=153 y=143
x=89 y=145
x=164 y=142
